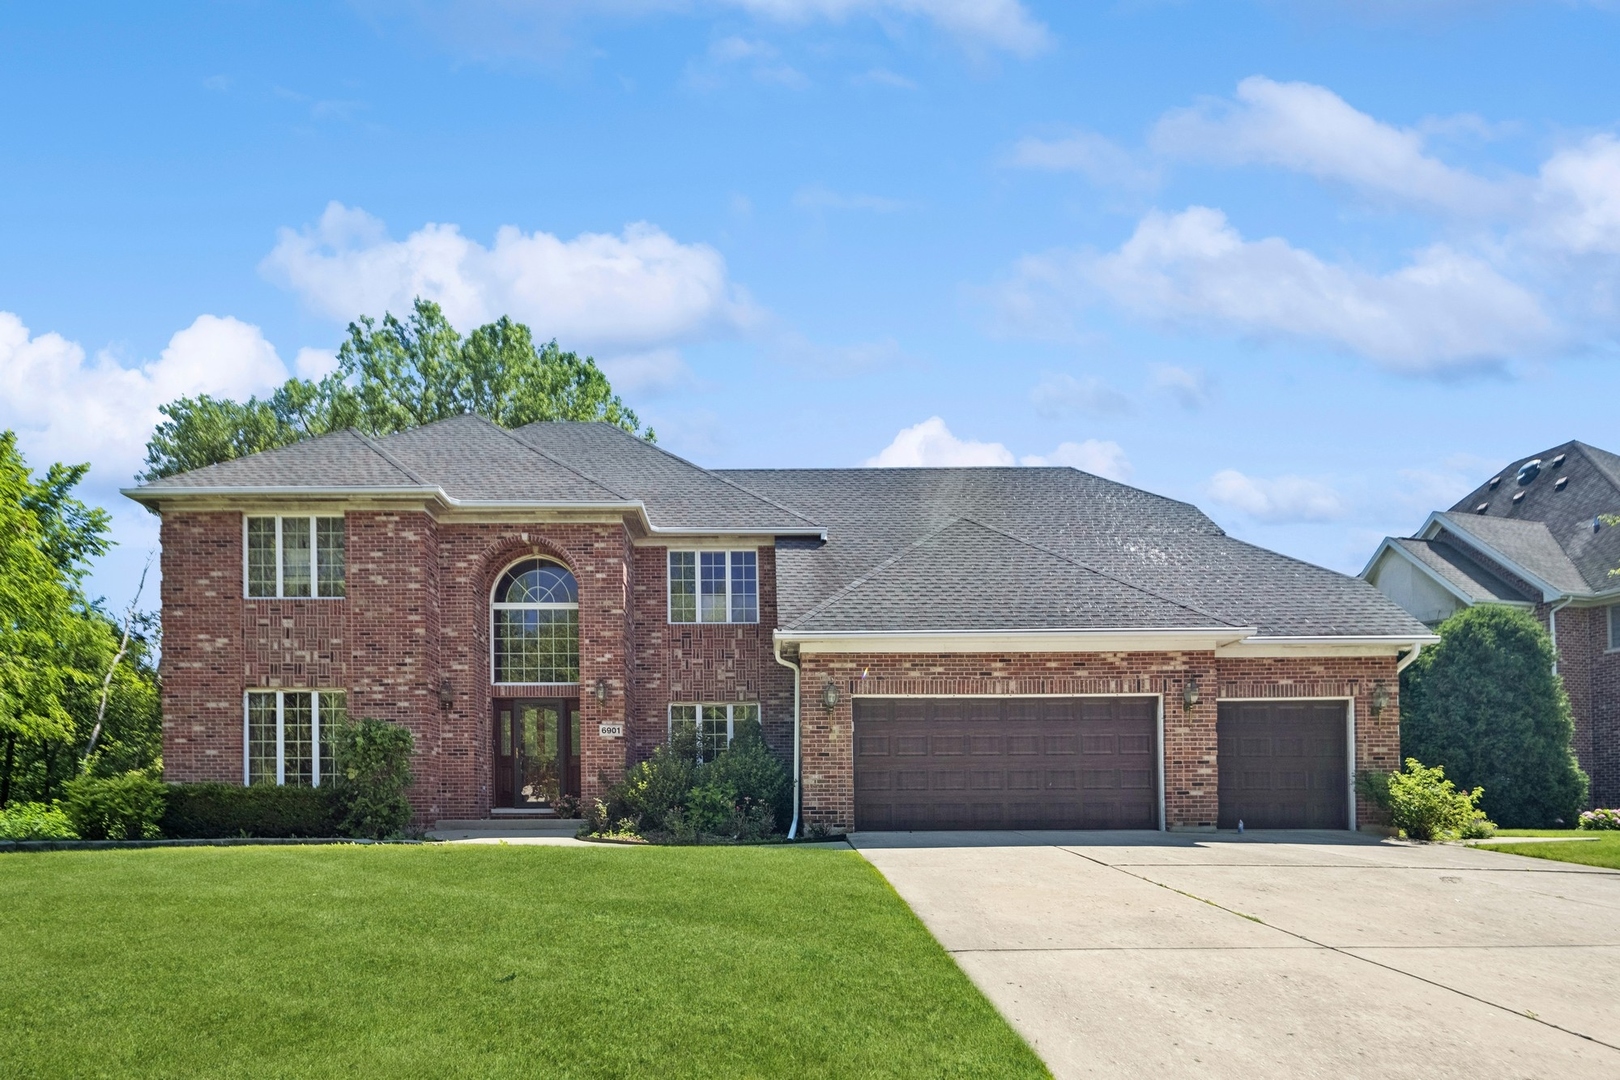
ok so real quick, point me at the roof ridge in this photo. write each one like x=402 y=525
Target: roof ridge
x=531 y=448
x=690 y=464
x=376 y=448
x=874 y=569
x=1100 y=573
x=1601 y=466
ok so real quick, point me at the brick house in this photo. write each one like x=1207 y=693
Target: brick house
x=928 y=648
x=1532 y=537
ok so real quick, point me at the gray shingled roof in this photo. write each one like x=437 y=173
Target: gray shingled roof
x=1159 y=545
x=941 y=549
x=1578 y=558
x=968 y=576
x=1452 y=563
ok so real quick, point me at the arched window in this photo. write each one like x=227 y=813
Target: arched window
x=535 y=624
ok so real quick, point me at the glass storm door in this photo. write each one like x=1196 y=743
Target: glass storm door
x=536 y=753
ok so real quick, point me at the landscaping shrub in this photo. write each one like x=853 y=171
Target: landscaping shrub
x=127 y=807
x=35 y=821
x=743 y=793
x=1600 y=819
x=213 y=811
x=372 y=760
x=1485 y=704
x=1424 y=805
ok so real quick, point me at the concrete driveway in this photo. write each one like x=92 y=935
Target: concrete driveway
x=1275 y=955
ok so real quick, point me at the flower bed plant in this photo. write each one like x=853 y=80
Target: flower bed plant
x=1600 y=819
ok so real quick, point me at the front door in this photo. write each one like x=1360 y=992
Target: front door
x=536 y=752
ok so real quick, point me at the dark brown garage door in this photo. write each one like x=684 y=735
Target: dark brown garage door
x=1006 y=763
x=1283 y=765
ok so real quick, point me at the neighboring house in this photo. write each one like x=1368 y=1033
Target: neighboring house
x=928 y=648
x=1532 y=537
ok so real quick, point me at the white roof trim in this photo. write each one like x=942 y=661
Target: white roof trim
x=1438 y=519
x=148 y=497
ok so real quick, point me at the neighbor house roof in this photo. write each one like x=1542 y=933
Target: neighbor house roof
x=1460 y=570
x=863 y=549
x=1549 y=524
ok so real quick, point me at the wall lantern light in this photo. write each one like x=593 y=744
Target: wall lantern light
x=1189 y=693
x=447 y=692
x=601 y=691
x=1380 y=699
x=829 y=696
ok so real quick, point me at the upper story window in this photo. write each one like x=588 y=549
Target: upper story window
x=714 y=586
x=1614 y=626
x=535 y=624
x=295 y=556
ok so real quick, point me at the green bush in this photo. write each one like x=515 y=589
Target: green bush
x=35 y=821
x=1600 y=819
x=372 y=760
x=743 y=793
x=1486 y=705
x=127 y=807
x=212 y=811
x=1424 y=805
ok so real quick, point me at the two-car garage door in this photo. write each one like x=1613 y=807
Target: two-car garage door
x=1006 y=763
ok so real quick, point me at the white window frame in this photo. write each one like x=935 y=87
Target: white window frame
x=314 y=557
x=494 y=606
x=731 y=708
x=697 y=564
x=281 y=732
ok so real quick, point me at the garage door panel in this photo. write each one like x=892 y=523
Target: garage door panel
x=998 y=763
x=1283 y=765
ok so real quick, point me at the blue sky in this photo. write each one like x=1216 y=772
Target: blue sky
x=1318 y=266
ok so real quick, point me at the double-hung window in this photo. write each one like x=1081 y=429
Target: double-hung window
x=295 y=557
x=710 y=727
x=714 y=586
x=288 y=735
x=1614 y=626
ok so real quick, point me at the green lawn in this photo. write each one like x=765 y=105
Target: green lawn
x=486 y=961
x=1603 y=851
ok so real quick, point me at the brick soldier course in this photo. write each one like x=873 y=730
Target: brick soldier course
x=992 y=583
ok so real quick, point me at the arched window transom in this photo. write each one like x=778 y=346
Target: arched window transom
x=535 y=624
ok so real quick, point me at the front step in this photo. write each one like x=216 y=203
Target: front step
x=511 y=826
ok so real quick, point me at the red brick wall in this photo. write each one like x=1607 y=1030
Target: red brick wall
x=704 y=663
x=203 y=658
x=1190 y=750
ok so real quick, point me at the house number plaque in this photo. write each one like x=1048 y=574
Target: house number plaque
x=610 y=731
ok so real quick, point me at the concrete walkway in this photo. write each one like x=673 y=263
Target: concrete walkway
x=1276 y=955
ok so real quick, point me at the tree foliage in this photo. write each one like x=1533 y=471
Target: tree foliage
x=391 y=376
x=56 y=647
x=1486 y=705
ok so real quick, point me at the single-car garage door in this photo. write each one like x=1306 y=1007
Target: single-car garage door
x=1006 y=763
x=1283 y=765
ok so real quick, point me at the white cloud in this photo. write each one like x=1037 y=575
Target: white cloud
x=931 y=443
x=654 y=372
x=1445 y=311
x=1057 y=395
x=639 y=290
x=1279 y=500
x=1189 y=387
x=65 y=406
x=818 y=197
x=1311 y=129
x=1000 y=24
x=1105 y=459
x=1095 y=157
x=1578 y=199
x=314 y=363
x=884 y=77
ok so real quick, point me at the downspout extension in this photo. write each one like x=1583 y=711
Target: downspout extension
x=776 y=651
x=1552 y=626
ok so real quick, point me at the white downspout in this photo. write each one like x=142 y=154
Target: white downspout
x=1552 y=626
x=776 y=650
x=1406 y=661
